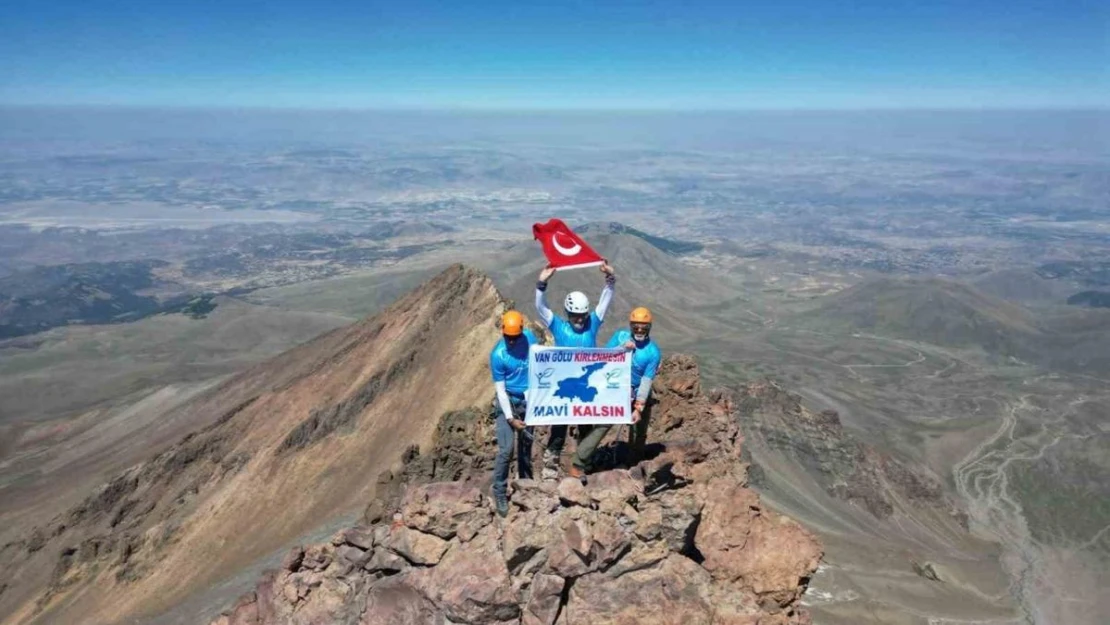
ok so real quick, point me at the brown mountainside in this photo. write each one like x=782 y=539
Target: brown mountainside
x=290 y=444
x=677 y=539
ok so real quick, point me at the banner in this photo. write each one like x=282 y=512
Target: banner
x=579 y=385
x=563 y=248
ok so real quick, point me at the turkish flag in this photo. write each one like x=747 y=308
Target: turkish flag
x=563 y=248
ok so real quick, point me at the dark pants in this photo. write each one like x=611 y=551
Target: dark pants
x=637 y=434
x=505 y=437
x=557 y=439
x=589 y=437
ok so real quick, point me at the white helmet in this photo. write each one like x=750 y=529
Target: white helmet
x=577 y=302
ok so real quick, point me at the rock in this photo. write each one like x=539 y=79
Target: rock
x=641 y=556
x=375 y=512
x=767 y=553
x=569 y=554
x=381 y=534
x=385 y=561
x=327 y=602
x=680 y=512
x=649 y=522
x=573 y=493
x=392 y=602
x=244 y=612
x=533 y=495
x=616 y=484
x=526 y=535
x=416 y=547
x=361 y=537
x=470 y=585
x=352 y=555
x=292 y=560
x=440 y=508
x=318 y=557
x=610 y=541
x=671 y=592
x=926 y=570
x=544 y=600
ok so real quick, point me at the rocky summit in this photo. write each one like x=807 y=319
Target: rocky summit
x=677 y=538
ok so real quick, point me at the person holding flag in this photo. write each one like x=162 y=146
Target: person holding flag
x=645 y=363
x=508 y=363
x=579 y=329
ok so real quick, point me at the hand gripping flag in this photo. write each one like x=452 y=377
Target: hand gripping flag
x=563 y=248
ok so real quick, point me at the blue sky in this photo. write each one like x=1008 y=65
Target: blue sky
x=792 y=54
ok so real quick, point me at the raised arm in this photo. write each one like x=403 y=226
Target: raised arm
x=541 y=296
x=606 y=292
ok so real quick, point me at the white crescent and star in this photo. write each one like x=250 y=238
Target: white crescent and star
x=565 y=251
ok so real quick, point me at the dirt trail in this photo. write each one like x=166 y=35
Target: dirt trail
x=983 y=482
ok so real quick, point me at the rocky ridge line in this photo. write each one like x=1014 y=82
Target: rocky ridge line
x=679 y=538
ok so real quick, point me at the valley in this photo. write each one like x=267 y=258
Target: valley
x=920 y=367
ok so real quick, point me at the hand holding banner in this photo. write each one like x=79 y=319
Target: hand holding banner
x=563 y=248
x=578 y=385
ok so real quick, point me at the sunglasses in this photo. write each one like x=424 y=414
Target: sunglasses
x=577 y=316
x=640 y=328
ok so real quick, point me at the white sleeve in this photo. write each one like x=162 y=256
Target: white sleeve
x=644 y=389
x=541 y=307
x=503 y=400
x=606 y=297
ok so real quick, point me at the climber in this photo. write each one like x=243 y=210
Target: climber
x=645 y=362
x=579 y=329
x=508 y=363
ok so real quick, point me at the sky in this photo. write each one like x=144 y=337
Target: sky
x=671 y=55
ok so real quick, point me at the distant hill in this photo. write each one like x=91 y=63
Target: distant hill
x=1023 y=285
x=932 y=310
x=411 y=228
x=46 y=297
x=1092 y=299
x=670 y=246
x=954 y=314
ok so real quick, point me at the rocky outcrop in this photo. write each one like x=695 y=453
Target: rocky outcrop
x=776 y=420
x=678 y=538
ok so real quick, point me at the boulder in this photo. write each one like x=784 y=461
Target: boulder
x=544 y=600
x=415 y=546
x=470 y=585
x=669 y=593
x=392 y=602
x=441 y=508
x=573 y=493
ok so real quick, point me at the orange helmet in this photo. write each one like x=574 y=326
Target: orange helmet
x=512 y=323
x=640 y=315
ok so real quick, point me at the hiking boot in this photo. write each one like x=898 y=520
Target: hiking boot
x=502 y=507
x=577 y=473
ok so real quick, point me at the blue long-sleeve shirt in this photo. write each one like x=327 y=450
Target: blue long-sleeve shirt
x=645 y=361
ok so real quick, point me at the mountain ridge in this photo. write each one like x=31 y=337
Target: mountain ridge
x=154 y=529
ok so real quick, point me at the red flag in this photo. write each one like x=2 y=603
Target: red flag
x=563 y=248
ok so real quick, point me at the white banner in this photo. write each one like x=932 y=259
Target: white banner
x=571 y=385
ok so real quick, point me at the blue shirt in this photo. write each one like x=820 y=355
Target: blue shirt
x=645 y=359
x=510 y=365
x=566 y=336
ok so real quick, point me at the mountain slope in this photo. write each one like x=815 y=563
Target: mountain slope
x=678 y=538
x=932 y=310
x=897 y=544
x=291 y=444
